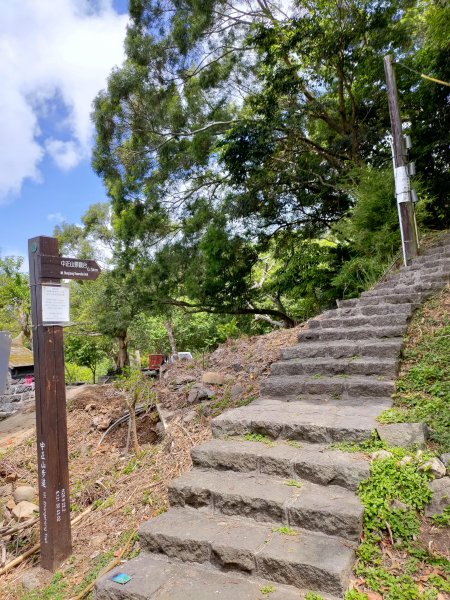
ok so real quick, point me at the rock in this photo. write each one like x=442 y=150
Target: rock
x=24 y=492
x=205 y=409
x=182 y=380
x=446 y=459
x=35 y=578
x=90 y=407
x=10 y=505
x=398 y=504
x=441 y=496
x=381 y=454
x=6 y=490
x=433 y=466
x=101 y=423
x=25 y=510
x=406 y=460
x=213 y=378
x=190 y=416
x=11 y=477
x=199 y=393
x=98 y=540
x=236 y=391
x=403 y=434
x=237 y=366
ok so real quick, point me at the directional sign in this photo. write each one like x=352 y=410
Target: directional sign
x=59 y=267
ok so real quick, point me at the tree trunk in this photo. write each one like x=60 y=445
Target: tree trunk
x=123 y=359
x=172 y=340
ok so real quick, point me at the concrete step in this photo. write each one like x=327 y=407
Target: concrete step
x=336 y=366
x=331 y=510
x=318 y=423
x=157 y=578
x=302 y=559
x=349 y=321
x=357 y=333
x=383 y=348
x=312 y=462
x=343 y=387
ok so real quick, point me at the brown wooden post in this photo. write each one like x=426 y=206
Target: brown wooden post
x=51 y=419
x=403 y=194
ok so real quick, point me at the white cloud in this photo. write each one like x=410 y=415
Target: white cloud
x=57 y=217
x=50 y=50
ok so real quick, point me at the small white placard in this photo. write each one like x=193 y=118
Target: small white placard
x=55 y=304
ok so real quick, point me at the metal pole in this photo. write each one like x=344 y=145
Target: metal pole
x=401 y=173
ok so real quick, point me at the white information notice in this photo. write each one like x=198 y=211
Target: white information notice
x=55 y=304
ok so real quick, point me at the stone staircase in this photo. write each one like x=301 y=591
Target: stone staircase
x=256 y=519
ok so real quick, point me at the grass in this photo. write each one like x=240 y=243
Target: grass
x=367 y=446
x=285 y=530
x=293 y=483
x=267 y=589
x=259 y=437
x=423 y=389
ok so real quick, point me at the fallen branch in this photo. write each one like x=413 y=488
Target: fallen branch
x=108 y=568
x=8 y=531
x=19 y=559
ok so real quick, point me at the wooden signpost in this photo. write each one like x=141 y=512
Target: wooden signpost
x=47 y=268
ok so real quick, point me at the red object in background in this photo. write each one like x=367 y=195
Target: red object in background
x=155 y=361
x=29 y=379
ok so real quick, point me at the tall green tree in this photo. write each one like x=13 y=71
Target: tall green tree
x=15 y=303
x=233 y=131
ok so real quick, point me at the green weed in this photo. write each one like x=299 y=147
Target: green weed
x=258 y=437
x=293 y=483
x=267 y=589
x=284 y=530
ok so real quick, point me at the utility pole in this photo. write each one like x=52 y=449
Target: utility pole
x=401 y=169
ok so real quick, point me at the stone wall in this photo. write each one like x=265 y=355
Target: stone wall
x=19 y=392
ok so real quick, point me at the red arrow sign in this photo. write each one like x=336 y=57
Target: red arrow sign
x=60 y=267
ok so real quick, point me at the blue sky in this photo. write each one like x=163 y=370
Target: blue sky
x=53 y=61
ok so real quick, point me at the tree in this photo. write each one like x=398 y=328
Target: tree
x=234 y=130
x=85 y=351
x=15 y=303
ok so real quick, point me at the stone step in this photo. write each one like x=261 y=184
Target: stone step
x=158 y=578
x=337 y=366
x=389 y=320
x=385 y=348
x=441 y=249
x=332 y=510
x=357 y=333
x=439 y=278
x=404 y=289
x=317 y=423
x=302 y=559
x=377 y=309
x=412 y=297
x=312 y=462
x=344 y=387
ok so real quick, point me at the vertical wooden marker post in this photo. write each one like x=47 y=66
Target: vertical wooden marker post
x=47 y=268
x=51 y=420
x=401 y=172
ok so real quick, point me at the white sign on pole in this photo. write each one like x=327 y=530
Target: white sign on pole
x=55 y=305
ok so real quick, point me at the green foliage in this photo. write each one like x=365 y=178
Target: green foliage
x=442 y=520
x=370 y=445
x=391 y=481
x=259 y=437
x=267 y=589
x=293 y=483
x=285 y=530
x=423 y=392
x=312 y=596
x=85 y=352
x=15 y=304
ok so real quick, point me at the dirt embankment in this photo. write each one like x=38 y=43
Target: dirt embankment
x=122 y=489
